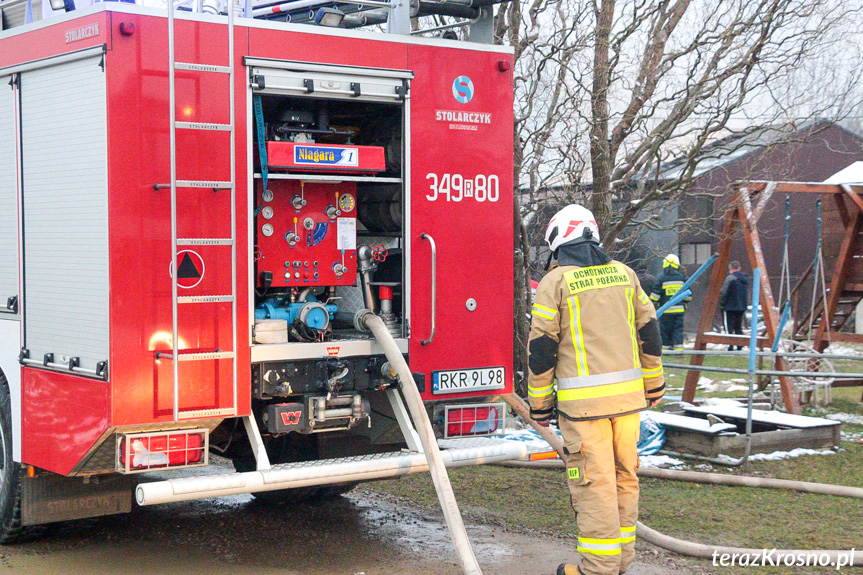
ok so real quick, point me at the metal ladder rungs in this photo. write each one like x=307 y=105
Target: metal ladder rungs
x=205 y=299
x=205 y=242
x=204 y=413
x=204 y=184
x=197 y=356
x=202 y=67
x=175 y=354
x=203 y=126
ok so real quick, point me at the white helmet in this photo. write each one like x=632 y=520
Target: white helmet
x=671 y=260
x=572 y=223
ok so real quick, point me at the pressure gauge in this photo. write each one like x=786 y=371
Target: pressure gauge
x=267 y=196
x=267 y=230
x=347 y=203
x=267 y=212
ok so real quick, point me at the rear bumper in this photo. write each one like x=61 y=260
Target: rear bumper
x=457 y=453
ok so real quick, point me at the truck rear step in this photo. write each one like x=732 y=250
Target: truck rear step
x=455 y=452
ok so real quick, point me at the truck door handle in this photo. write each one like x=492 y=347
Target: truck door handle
x=433 y=287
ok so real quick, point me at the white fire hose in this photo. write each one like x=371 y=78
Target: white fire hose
x=701 y=550
x=452 y=515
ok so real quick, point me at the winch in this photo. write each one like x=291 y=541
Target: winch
x=318 y=413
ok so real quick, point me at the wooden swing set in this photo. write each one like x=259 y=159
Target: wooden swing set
x=829 y=310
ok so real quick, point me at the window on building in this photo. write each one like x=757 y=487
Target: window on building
x=695 y=253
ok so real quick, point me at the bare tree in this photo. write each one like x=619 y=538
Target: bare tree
x=607 y=91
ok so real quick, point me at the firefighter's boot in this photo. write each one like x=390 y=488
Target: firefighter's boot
x=601 y=464
x=567 y=569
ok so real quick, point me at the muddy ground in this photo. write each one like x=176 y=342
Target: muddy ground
x=363 y=532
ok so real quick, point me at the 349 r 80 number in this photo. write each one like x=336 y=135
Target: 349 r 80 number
x=456 y=187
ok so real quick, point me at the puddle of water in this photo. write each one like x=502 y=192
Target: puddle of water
x=428 y=537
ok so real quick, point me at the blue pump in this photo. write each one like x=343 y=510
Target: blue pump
x=315 y=317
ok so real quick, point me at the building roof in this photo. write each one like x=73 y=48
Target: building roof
x=853 y=174
x=738 y=145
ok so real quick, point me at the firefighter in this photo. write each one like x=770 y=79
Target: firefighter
x=664 y=288
x=594 y=330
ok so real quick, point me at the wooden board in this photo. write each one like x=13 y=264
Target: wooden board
x=694 y=424
x=774 y=418
x=762 y=442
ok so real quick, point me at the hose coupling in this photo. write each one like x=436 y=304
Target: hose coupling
x=360 y=320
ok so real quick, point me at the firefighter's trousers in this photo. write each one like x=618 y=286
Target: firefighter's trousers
x=671 y=328
x=601 y=466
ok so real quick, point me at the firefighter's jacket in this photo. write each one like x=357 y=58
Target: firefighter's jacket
x=594 y=331
x=666 y=286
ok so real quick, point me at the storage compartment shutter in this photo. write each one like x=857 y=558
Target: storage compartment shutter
x=64 y=144
x=328 y=81
x=8 y=196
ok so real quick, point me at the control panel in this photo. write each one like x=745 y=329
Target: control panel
x=306 y=233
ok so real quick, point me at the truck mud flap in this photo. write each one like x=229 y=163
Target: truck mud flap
x=49 y=498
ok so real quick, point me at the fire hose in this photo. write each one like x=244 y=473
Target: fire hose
x=367 y=320
x=691 y=548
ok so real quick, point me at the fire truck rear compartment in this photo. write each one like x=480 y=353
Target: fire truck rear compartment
x=317 y=229
x=329 y=242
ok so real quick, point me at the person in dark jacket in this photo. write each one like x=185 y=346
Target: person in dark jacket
x=664 y=288
x=733 y=300
x=646 y=280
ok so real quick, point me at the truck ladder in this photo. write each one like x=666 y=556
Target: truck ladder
x=223 y=242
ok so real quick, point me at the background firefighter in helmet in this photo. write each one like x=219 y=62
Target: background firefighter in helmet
x=664 y=288
x=594 y=330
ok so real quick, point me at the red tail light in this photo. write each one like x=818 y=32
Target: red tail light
x=142 y=451
x=483 y=419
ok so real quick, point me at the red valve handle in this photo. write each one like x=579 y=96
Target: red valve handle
x=379 y=254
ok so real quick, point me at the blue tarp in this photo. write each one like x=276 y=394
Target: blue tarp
x=652 y=436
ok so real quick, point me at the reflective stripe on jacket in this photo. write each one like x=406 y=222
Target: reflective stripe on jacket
x=585 y=333
x=666 y=286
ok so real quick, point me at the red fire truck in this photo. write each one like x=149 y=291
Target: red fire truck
x=195 y=208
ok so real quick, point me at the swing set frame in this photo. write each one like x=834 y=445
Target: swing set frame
x=748 y=203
